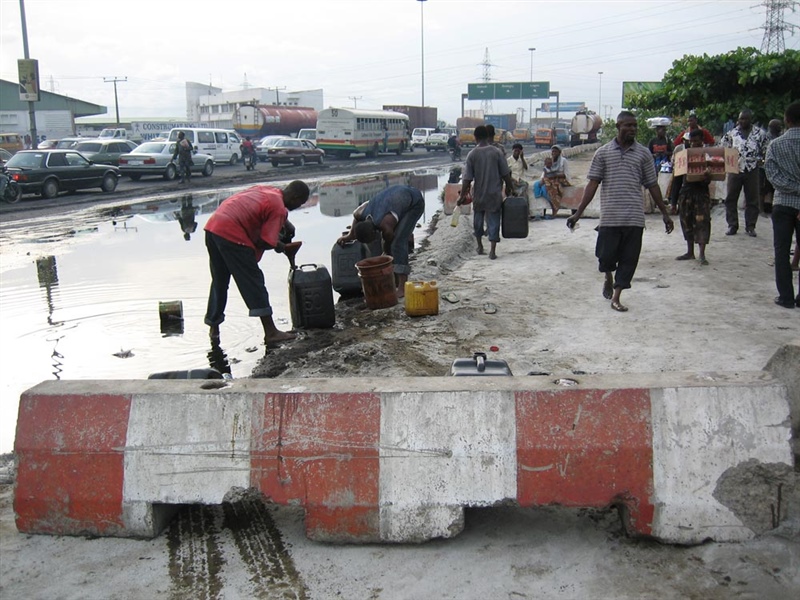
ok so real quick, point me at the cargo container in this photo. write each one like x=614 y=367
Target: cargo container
x=507 y=122
x=418 y=116
x=471 y=122
x=258 y=121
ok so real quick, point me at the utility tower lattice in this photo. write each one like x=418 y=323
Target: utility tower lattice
x=486 y=105
x=775 y=25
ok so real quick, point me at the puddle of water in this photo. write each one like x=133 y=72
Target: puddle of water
x=80 y=295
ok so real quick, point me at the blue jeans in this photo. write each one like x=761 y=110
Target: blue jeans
x=492 y=231
x=785 y=226
x=539 y=191
x=403 y=231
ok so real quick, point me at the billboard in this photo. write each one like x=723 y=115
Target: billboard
x=512 y=90
x=28 y=70
x=637 y=87
x=551 y=107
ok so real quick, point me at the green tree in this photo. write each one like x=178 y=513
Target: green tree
x=719 y=87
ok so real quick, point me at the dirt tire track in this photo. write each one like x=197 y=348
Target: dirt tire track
x=261 y=548
x=195 y=556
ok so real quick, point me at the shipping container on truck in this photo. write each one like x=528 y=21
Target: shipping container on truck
x=258 y=121
x=418 y=116
x=507 y=122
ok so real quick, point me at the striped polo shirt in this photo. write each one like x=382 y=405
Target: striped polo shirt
x=622 y=172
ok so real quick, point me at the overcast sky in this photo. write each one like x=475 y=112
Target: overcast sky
x=366 y=52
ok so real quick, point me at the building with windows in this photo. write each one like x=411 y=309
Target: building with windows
x=215 y=108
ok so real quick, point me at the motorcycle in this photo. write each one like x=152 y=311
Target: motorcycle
x=11 y=192
x=250 y=161
x=455 y=153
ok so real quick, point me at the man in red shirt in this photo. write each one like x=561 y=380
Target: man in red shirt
x=237 y=234
x=683 y=137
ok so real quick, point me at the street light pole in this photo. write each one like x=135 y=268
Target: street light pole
x=422 y=45
x=600 y=95
x=114 y=80
x=530 y=106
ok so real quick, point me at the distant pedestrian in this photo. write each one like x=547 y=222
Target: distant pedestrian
x=183 y=152
x=751 y=143
x=683 y=136
x=695 y=209
x=487 y=167
x=518 y=166
x=783 y=171
x=660 y=147
x=555 y=178
x=237 y=234
x=394 y=213
x=623 y=166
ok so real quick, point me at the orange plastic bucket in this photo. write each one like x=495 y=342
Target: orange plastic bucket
x=377 y=281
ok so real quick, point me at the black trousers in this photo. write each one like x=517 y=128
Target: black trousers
x=618 y=249
x=737 y=181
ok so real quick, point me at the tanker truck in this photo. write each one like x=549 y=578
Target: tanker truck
x=258 y=121
x=584 y=127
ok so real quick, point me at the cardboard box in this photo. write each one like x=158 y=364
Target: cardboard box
x=692 y=162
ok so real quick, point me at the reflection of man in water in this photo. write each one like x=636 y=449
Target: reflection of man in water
x=186 y=217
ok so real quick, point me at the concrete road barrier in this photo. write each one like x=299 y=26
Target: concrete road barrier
x=687 y=457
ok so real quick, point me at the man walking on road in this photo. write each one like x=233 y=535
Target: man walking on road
x=623 y=166
x=183 y=152
x=752 y=144
x=783 y=171
x=488 y=168
x=237 y=234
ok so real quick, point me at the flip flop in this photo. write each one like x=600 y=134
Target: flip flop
x=451 y=297
x=489 y=308
x=618 y=307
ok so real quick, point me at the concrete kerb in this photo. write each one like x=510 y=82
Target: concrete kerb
x=686 y=457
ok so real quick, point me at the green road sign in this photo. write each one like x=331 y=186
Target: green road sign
x=535 y=89
x=480 y=91
x=511 y=90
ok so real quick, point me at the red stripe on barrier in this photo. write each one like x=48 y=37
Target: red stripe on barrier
x=321 y=451
x=587 y=448
x=71 y=461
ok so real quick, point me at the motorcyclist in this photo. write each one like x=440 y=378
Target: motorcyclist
x=248 y=152
x=454 y=146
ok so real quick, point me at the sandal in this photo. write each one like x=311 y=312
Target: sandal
x=451 y=297
x=618 y=307
x=489 y=308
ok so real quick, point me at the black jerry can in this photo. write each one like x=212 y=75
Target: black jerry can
x=311 y=297
x=515 y=217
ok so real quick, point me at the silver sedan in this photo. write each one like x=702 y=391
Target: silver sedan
x=155 y=158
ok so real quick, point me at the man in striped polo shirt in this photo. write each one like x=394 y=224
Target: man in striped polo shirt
x=623 y=166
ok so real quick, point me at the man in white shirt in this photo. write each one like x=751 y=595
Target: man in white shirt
x=518 y=167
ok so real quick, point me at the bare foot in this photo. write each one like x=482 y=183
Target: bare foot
x=213 y=332
x=703 y=261
x=492 y=255
x=687 y=256
x=608 y=290
x=480 y=247
x=279 y=336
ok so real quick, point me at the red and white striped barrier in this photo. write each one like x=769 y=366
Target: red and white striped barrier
x=398 y=460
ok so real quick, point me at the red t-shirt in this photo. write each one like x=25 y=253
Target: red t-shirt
x=253 y=215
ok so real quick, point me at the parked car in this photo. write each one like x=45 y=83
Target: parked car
x=45 y=144
x=437 y=141
x=106 y=150
x=155 y=158
x=48 y=172
x=266 y=143
x=295 y=151
x=5 y=155
x=70 y=142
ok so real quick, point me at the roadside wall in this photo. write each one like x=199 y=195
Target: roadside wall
x=685 y=457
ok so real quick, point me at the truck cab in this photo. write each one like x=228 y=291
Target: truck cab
x=544 y=137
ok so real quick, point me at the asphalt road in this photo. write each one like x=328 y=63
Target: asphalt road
x=225 y=176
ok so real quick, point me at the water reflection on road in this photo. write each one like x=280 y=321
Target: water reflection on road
x=80 y=293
